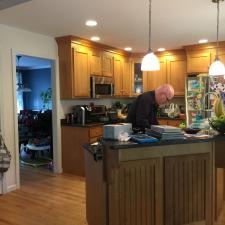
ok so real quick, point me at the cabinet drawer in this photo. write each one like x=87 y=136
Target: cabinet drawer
x=96 y=131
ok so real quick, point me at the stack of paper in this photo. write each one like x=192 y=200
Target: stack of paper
x=164 y=132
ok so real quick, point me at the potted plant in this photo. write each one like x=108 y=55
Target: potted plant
x=46 y=97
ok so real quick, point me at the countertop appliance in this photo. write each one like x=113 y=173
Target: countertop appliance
x=86 y=114
x=101 y=86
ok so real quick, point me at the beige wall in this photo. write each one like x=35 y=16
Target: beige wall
x=13 y=41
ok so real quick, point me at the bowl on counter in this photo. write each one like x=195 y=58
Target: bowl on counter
x=191 y=130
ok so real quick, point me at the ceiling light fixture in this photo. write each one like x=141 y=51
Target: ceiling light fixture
x=128 y=49
x=161 y=49
x=150 y=62
x=91 y=23
x=202 y=41
x=95 y=38
x=20 y=86
x=217 y=67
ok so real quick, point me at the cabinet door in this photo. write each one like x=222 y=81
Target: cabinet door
x=81 y=69
x=176 y=73
x=198 y=61
x=107 y=64
x=96 y=62
x=135 y=193
x=156 y=78
x=188 y=189
x=118 y=75
x=127 y=78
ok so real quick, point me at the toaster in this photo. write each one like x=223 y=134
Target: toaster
x=112 y=131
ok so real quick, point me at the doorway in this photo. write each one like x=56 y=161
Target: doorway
x=34 y=112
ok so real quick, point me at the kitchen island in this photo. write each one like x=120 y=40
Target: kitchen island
x=168 y=182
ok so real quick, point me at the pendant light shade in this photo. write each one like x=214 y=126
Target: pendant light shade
x=217 y=67
x=150 y=62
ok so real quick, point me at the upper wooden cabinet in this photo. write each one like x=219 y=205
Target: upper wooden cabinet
x=176 y=73
x=118 y=75
x=81 y=71
x=101 y=63
x=122 y=76
x=154 y=79
x=198 y=61
x=127 y=77
x=96 y=62
x=172 y=71
x=107 y=64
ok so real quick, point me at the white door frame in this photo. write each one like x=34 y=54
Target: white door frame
x=57 y=160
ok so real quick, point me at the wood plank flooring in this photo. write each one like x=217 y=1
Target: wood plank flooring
x=44 y=199
x=48 y=199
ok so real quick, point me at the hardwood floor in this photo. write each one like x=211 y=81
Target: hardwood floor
x=48 y=199
x=45 y=199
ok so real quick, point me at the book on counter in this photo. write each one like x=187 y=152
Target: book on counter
x=164 y=132
x=165 y=135
x=165 y=129
x=143 y=138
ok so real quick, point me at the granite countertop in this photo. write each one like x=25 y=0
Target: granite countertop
x=130 y=144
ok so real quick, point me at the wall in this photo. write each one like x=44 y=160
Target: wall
x=15 y=41
x=37 y=80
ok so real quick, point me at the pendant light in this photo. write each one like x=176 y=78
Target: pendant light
x=20 y=86
x=217 y=68
x=150 y=62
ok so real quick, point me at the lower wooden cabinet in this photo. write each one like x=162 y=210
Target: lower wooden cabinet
x=135 y=193
x=73 y=139
x=188 y=189
x=170 y=122
x=161 y=185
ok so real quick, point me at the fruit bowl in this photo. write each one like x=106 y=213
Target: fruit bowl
x=191 y=130
x=218 y=124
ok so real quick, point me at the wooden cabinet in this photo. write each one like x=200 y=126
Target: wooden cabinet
x=107 y=64
x=73 y=139
x=81 y=71
x=101 y=63
x=122 y=76
x=176 y=73
x=172 y=71
x=127 y=77
x=198 y=61
x=170 y=122
x=154 y=79
x=118 y=75
x=154 y=185
x=188 y=189
x=135 y=193
x=96 y=62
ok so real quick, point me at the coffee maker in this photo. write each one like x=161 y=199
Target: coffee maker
x=86 y=114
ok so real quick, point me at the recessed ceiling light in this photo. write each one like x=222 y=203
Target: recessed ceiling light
x=202 y=41
x=95 y=38
x=91 y=23
x=128 y=49
x=161 y=49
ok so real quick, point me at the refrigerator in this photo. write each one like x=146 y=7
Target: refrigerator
x=198 y=100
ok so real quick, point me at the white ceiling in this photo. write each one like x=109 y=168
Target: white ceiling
x=31 y=63
x=121 y=23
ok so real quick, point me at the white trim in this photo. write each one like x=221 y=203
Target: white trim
x=55 y=117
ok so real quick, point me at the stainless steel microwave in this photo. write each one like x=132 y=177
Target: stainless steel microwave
x=101 y=86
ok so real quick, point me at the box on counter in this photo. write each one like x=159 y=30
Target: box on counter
x=112 y=131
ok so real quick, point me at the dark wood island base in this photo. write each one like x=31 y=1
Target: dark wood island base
x=153 y=184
